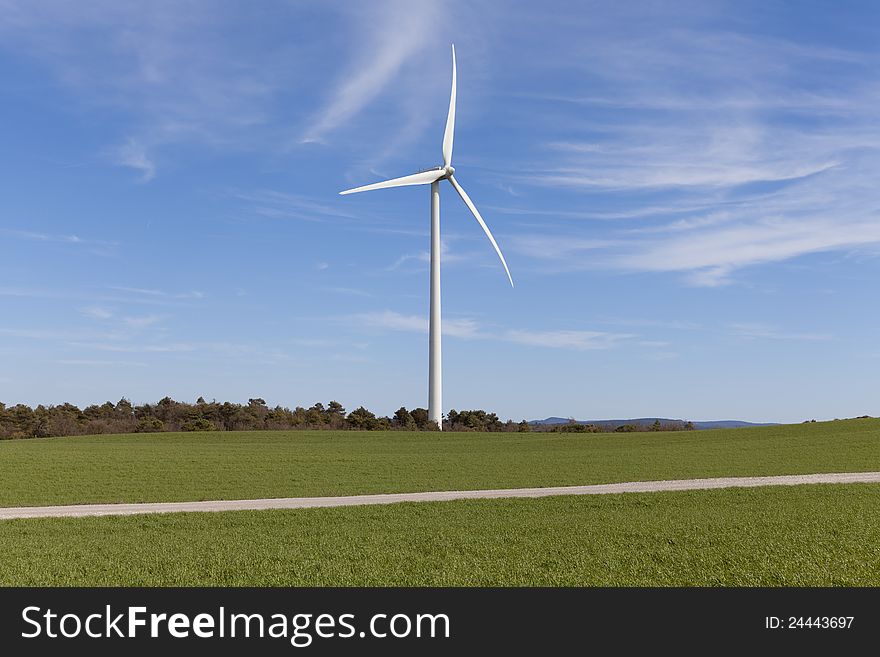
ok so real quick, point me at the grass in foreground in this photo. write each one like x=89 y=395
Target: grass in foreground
x=780 y=536
x=186 y=466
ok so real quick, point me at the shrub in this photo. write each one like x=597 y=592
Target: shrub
x=200 y=424
x=149 y=425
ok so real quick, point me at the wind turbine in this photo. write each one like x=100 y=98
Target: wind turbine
x=433 y=177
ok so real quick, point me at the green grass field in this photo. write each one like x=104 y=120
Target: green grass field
x=797 y=536
x=186 y=466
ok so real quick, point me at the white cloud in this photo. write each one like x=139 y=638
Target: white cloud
x=34 y=236
x=287 y=205
x=663 y=355
x=462 y=328
x=395 y=32
x=577 y=340
x=471 y=330
x=133 y=155
x=447 y=256
x=553 y=247
x=34 y=293
x=678 y=324
x=141 y=322
x=138 y=290
x=164 y=66
x=102 y=313
x=389 y=319
x=347 y=290
x=710 y=256
x=137 y=348
x=832 y=211
x=711 y=151
x=97 y=312
x=53 y=334
x=313 y=342
x=154 y=293
x=707 y=155
x=101 y=363
x=757 y=331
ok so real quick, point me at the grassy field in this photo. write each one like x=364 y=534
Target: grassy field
x=187 y=466
x=805 y=535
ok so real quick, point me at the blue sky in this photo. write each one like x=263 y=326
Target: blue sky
x=686 y=193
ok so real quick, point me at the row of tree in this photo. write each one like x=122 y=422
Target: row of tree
x=657 y=425
x=22 y=421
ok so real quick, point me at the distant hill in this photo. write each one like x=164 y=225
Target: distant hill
x=641 y=421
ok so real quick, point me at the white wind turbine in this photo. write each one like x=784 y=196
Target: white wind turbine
x=433 y=177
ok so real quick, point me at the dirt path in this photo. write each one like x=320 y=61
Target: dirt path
x=79 y=510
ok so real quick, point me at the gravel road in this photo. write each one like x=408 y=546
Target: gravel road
x=79 y=510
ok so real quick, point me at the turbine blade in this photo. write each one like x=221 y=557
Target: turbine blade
x=449 y=134
x=468 y=202
x=422 y=178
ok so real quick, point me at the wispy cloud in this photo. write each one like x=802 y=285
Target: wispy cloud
x=141 y=322
x=34 y=236
x=396 y=32
x=138 y=290
x=391 y=320
x=351 y=291
x=711 y=255
x=663 y=355
x=471 y=330
x=313 y=342
x=679 y=324
x=706 y=151
x=101 y=363
x=554 y=247
x=834 y=211
x=150 y=292
x=165 y=67
x=653 y=343
x=33 y=293
x=59 y=335
x=708 y=155
x=577 y=340
x=287 y=205
x=131 y=336
x=171 y=347
x=102 y=313
x=424 y=257
x=134 y=156
x=40 y=237
x=462 y=328
x=96 y=312
x=756 y=331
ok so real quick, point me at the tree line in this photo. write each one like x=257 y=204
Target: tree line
x=579 y=427
x=22 y=421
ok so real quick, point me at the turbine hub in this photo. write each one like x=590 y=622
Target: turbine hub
x=450 y=170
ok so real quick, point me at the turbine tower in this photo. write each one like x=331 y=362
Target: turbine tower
x=433 y=177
